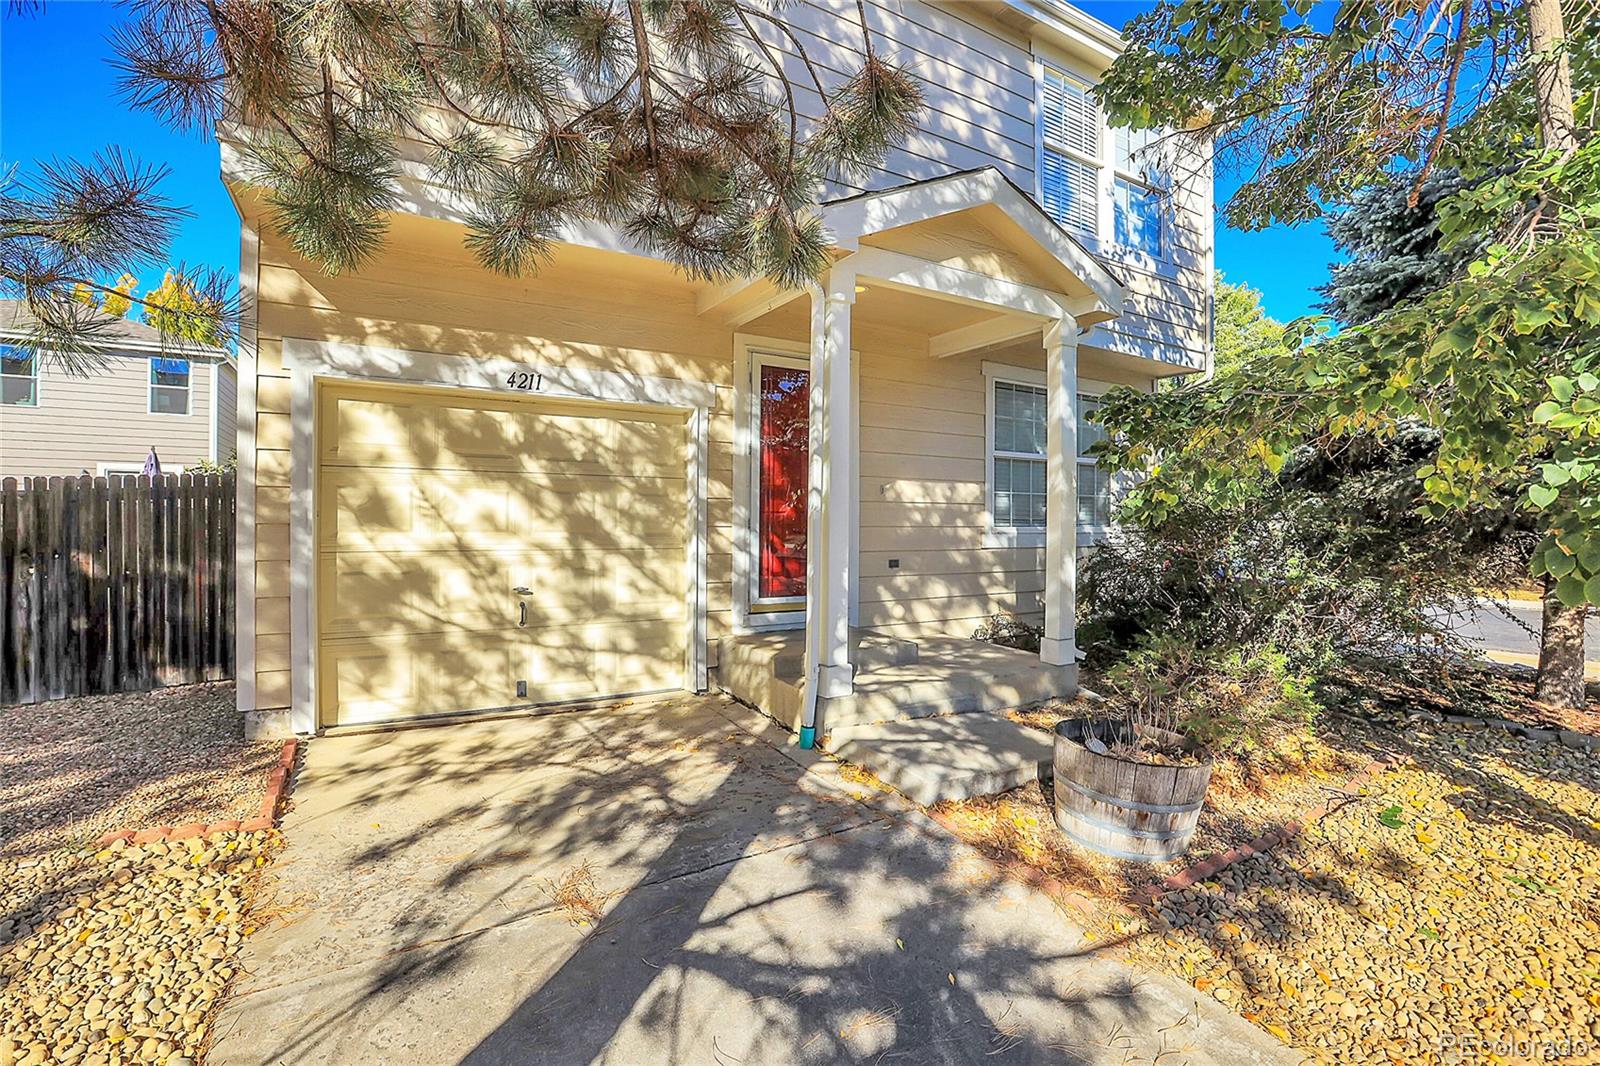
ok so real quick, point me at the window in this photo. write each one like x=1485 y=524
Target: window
x=1071 y=159
x=1019 y=470
x=19 y=377
x=169 y=386
x=1094 y=484
x=1018 y=491
x=1139 y=193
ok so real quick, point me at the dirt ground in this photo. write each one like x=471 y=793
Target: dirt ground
x=71 y=770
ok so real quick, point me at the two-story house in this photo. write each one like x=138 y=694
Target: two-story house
x=462 y=492
x=102 y=419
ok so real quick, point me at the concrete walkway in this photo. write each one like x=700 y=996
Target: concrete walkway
x=755 y=910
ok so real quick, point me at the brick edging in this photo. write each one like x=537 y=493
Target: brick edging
x=1214 y=864
x=266 y=816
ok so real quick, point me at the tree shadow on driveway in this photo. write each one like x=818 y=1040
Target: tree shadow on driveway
x=757 y=910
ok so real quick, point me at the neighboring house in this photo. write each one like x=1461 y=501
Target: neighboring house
x=179 y=400
x=460 y=491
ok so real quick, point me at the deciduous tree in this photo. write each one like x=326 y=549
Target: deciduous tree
x=1500 y=360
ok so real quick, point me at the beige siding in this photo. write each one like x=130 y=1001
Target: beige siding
x=427 y=293
x=979 y=82
x=923 y=464
x=84 y=422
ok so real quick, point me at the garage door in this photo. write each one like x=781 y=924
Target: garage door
x=434 y=508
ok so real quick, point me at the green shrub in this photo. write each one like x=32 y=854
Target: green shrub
x=1235 y=700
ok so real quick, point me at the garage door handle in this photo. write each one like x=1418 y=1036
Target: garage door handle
x=522 y=616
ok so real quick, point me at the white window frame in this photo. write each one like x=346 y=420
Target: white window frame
x=1104 y=241
x=996 y=535
x=1101 y=238
x=151 y=387
x=1092 y=533
x=35 y=377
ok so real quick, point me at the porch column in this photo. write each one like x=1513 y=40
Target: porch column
x=1058 y=646
x=828 y=574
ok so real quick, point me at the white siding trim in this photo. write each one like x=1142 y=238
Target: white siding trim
x=310 y=361
x=244 y=577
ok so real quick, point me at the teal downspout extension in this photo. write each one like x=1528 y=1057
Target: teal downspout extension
x=808 y=736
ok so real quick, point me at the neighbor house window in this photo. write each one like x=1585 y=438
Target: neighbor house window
x=1139 y=193
x=19 y=377
x=169 y=386
x=1070 y=155
x=1018 y=492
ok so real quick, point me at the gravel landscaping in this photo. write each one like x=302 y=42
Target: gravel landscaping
x=1446 y=911
x=72 y=770
x=120 y=955
x=1455 y=904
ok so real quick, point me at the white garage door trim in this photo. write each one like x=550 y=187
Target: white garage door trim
x=310 y=360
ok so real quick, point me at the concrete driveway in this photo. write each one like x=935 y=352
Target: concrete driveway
x=756 y=909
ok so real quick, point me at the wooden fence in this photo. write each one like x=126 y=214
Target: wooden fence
x=118 y=585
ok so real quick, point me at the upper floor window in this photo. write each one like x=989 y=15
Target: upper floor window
x=1079 y=171
x=169 y=386
x=1069 y=169
x=19 y=377
x=1139 y=193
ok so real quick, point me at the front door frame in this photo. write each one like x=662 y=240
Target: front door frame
x=758 y=604
x=749 y=352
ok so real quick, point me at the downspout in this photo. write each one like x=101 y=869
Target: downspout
x=808 y=713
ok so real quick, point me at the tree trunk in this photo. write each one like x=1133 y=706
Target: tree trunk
x=1553 y=78
x=1561 y=652
x=1561 y=641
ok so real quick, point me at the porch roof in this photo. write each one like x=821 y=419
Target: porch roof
x=1059 y=258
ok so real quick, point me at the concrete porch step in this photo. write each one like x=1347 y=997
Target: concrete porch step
x=895 y=679
x=869 y=653
x=952 y=757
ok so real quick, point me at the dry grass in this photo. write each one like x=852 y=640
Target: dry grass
x=1018 y=827
x=854 y=774
x=1247 y=796
x=576 y=894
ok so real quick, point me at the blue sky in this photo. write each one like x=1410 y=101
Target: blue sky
x=58 y=98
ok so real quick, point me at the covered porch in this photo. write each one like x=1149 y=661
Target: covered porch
x=951 y=271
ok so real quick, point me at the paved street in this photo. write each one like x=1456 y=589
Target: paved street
x=1508 y=631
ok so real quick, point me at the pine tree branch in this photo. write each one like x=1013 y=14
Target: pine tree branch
x=641 y=48
x=777 y=67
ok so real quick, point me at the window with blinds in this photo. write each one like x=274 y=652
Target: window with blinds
x=1069 y=171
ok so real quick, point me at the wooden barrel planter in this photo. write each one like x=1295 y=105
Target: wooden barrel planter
x=1121 y=808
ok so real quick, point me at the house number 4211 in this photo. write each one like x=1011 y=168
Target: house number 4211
x=528 y=382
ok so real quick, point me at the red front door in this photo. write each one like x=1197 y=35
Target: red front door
x=782 y=474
